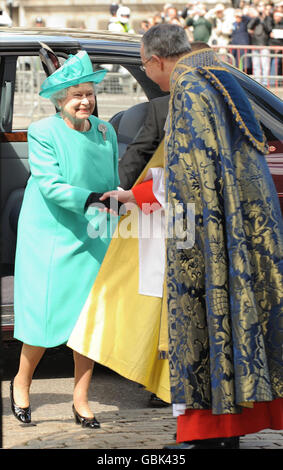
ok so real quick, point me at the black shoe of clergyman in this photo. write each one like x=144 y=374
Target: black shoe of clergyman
x=156 y=402
x=22 y=414
x=221 y=443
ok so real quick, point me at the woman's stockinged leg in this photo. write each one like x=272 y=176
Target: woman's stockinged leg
x=29 y=359
x=83 y=374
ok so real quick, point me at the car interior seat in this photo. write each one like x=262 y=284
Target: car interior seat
x=9 y=222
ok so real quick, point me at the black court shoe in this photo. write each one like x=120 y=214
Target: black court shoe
x=85 y=422
x=22 y=414
x=156 y=402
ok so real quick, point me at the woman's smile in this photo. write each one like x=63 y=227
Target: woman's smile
x=78 y=105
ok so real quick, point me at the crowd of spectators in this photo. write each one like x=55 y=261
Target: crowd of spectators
x=256 y=25
x=244 y=32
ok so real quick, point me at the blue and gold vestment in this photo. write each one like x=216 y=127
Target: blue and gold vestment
x=224 y=294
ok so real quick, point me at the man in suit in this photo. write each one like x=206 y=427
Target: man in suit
x=140 y=151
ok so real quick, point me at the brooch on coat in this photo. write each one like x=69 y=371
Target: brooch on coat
x=102 y=128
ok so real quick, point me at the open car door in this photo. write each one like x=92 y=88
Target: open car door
x=18 y=96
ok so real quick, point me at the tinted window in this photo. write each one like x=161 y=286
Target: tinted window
x=117 y=92
x=28 y=105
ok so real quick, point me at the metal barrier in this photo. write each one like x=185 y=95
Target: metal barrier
x=263 y=63
x=118 y=91
x=28 y=105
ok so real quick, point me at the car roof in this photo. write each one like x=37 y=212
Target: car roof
x=122 y=48
x=99 y=42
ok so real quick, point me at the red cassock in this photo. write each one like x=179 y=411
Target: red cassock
x=202 y=424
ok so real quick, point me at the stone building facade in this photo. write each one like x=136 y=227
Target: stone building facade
x=89 y=14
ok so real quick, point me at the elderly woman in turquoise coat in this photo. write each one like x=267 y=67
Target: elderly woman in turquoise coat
x=73 y=157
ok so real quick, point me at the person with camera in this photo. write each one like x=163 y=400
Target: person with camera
x=259 y=28
x=276 y=39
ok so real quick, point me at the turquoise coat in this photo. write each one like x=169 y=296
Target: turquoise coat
x=58 y=253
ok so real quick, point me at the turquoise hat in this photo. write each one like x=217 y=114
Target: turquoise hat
x=76 y=69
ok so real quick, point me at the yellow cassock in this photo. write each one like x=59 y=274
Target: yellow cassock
x=118 y=327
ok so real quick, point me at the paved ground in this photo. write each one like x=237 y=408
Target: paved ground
x=120 y=405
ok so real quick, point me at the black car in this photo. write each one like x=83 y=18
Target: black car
x=26 y=57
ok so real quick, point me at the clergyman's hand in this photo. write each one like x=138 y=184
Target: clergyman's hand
x=125 y=197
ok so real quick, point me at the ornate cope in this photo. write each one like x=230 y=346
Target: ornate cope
x=224 y=294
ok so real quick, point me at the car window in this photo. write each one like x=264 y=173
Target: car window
x=117 y=92
x=28 y=105
x=271 y=124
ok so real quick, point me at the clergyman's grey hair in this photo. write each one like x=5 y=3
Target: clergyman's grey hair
x=166 y=40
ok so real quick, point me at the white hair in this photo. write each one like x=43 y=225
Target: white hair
x=57 y=96
x=62 y=94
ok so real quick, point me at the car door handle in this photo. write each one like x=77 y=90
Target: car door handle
x=7 y=99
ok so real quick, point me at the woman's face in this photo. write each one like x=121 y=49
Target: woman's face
x=79 y=102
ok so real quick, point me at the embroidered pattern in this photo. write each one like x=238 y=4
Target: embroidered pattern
x=224 y=294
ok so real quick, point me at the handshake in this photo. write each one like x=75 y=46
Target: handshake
x=115 y=202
